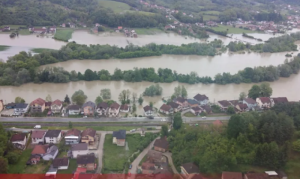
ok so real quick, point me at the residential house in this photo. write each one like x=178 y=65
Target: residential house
x=102 y=109
x=155 y=156
x=86 y=161
x=251 y=103
x=182 y=102
x=38 y=105
x=38 y=137
x=264 y=102
x=19 y=140
x=175 y=106
x=72 y=136
x=279 y=100
x=232 y=175
x=161 y=145
x=38 y=30
x=56 y=106
x=33 y=160
x=224 y=104
x=48 y=105
x=53 y=136
x=52 y=29
x=192 y=103
x=201 y=99
x=148 y=111
x=189 y=168
x=63 y=25
x=61 y=163
x=114 y=109
x=40 y=150
x=256 y=176
x=1 y=105
x=234 y=102
x=74 y=109
x=20 y=108
x=241 y=107
x=196 y=110
x=72 y=25
x=5 y=29
x=119 y=137
x=79 y=149
x=88 y=108
x=51 y=153
x=207 y=109
x=124 y=108
x=148 y=168
x=166 y=109
x=88 y=136
x=10 y=106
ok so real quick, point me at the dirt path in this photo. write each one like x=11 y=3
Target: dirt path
x=169 y=156
x=100 y=151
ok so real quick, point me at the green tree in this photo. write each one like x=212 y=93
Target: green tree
x=177 y=121
x=79 y=97
x=151 y=104
x=67 y=99
x=184 y=93
x=3 y=165
x=254 y=92
x=13 y=157
x=242 y=96
x=98 y=100
x=230 y=110
x=133 y=107
x=105 y=93
x=164 y=131
x=48 y=98
x=265 y=90
x=19 y=100
x=140 y=100
x=70 y=125
x=296 y=145
x=124 y=97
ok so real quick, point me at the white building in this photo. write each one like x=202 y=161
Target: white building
x=53 y=136
x=148 y=111
x=74 y=109
x=38 y=137
x=56 y=106
x=20 y=108
x=19 y=140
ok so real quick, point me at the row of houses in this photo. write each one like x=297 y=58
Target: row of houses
x=43 y=30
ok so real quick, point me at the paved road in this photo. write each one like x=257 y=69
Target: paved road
x=169 y=156
x=196 y=119
x=136 y=162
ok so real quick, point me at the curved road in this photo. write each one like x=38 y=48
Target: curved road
x=170 y=160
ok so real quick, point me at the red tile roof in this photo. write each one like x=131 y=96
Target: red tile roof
x=39 y=149
x=74 y=132
x=124 y=107
x=280 y=100
x=165 y=107
x=38 y=101
x=38 y=134
x=162 y=143
x=265 y=99
x=18 y=137
x=232 y=175
x=57 y=102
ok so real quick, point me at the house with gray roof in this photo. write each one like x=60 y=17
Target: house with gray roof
x=88 y=108
x=51 y=153
x=251 y=103
x=201 y=99
x=79 y=149
x=119 y=137
x=53 y=136
x=20 y=108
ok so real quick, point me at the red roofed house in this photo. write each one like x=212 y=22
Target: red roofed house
x=38 y=137
x=263 y=102
x=161 y=144
x=196 y=110
x=38 y=105
x=39 y=150
x=124 y=108
x=48 y=104
x=19 y=140
x=148 y=168
x=241 y=107
x=182 y=102
x=224 y=104
x=232 y=175
x=114 y=109
x=56 y=106
x=166 y=109
x=279 y=100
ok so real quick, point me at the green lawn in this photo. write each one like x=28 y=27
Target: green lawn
x=210 y=18
x=20 y=166
x=3 y=47
x=211 y=12
x=189 y=114
x=40 y=50
x=72 y=167
x=148 y=31
x=231 y=30
x=63 y=34
x=40 y=168
x=24 y=32
x=117 y=7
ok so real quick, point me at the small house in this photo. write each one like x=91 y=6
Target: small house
x=88 y=108
x=74 y=109
x=279 y=100
x=161 y=145
x=33 y=160
x=148 y=168
x=48 y=105
x=51 y=152
x=114 y=109
x=79 y=149
x=56 y=106
x=166 y=109
x=192 y=103
x=207 y=109
x=119 y=137
x=196 y=110
x=39 y=150
x=19 y=140
x=86 y=161
x=61 y=163
x=231 y=175
x=148 y=111
x=72 y=136
x=224 y=104
x=201 y=99
x=20 y=108
x=189 y=168
x=182 y=102
x=251 y=103
x=124 y=108
x=102 y=109
x=264 y=102
x=241 y=107
x=155 y=156
x=38 y=137
x=88 y=136
x=176 y=107
x=53 y=136
x=38 y=105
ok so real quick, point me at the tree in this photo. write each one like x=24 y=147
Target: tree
x=3 y=165
x=70 y=125
x=177 y=121
x=151 y=104
x=98 y=100
x=19 y=100
x=124 y=97
x=243 y=95
x=134 y=96
x=230 y=110
x=265 y=90
x=254 y=92
x=140 y=100
x=164 y=131
x=79 y=97
x=13 y=157
x=48 y=98
x=105 y=93
x=180 y=91
x=67 y=99
x=184 y=93
x=153 y=90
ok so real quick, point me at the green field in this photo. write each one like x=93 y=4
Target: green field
x=149 y=31
x=40 y=50
x=19 y=167
x=63 y=34
x=117 y=7
x=189 y=114
x=211 y=12
x=210 y=18
x=231 y=30
x=3 y=47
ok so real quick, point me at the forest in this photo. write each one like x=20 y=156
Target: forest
x=249 y=139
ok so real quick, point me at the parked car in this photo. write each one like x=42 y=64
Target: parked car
x=84 y=116
x=150 y=117
x=130 y=166
x=37 y=127
x=204 y=117
x=132 y=130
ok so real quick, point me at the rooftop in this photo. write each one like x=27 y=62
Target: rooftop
x=80 y=146
x=89 y=131
x=190 y=168
x=73 y=132
x=38 y=134
x=232 y=175
x=58 y=162
x=200 y=97
x=53 y=133
x=39 y=149
x=224 y=103
x=165 y=107
x=147 y=108
x=85 y=159
x=121 y=134
x=18 y=137
x=162 y=143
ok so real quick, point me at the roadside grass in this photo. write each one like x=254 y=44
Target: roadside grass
x=40 y=50
x=231 y=30
x=63 y=34
x=189 y=114
x=117 y=7
x=72 y=167
x=19 y=167
x=210 y=17
x=148 y=31
x=3 y=47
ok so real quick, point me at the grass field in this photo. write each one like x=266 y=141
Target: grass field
x=149 y=31
x=231 y=30
x=40 y=50
x=211 y=12
x=63 y=34
x=189 y=114
x=3 y=47
x=210 y=18
x=117 y=7
x=19 y=167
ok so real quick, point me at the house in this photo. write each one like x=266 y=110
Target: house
x=79 y=149
x=241 y=107
x=56 y=106
x=182 y=102
x=88 y=108
x=38 y=137
x=234 y=102
x=52 y=29
x=148 y=111
x=207 y=109
x=39 y=150
x=124 y=108
x=102 y=109
x=161 y=145
x=61 y=163
x=114 y=109
x=74 y=109
x=196 y=110
x=155 y=156
x=256 y=176
x=72 y=136
x=166 y=109
x=224 y=104
x=1 y=105
x=120 y=27
x=63 y=25
x=263 y=102
x=19 y=140
x=20 y=108
x=88 y=136
x=279 y=100
x=251 y=103
x=33 y=160
x=53 y=136
x=48 y=105
x=38 y=30
x=86 y=161
x=201 y=99
x=192 y=103
x=38 y=105
x=189 y=168
x=71 y=25
x=119 y=137
x=97 y=25
x=51 y=153
x=148 y=168
x=175 y=106
x=232 y=175
x=10 y=106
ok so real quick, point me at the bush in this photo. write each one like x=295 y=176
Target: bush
x=296 y=145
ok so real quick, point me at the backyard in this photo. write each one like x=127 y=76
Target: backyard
x=232 y=30
x=148 y=31
x=20 y=166
x=63 y=34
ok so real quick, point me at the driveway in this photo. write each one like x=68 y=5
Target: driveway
x=100 y=151
x=169 y=156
